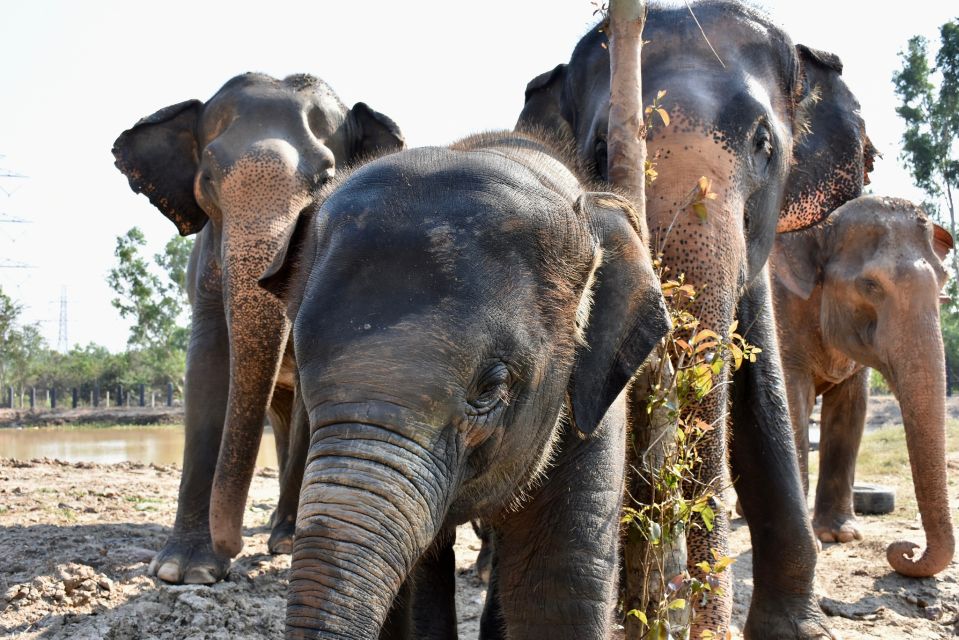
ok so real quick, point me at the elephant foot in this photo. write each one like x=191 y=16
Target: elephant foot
x=484 y=560
x=186 y=561
x=836 y=527
x=281 y=536
x=787 y=617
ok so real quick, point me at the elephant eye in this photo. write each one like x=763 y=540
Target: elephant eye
x=491 y=388
x=763 y=146
x=869 y=288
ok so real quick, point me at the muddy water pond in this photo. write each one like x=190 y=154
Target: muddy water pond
x=107 y=445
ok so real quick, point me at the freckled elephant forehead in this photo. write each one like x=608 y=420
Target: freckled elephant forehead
x=260 y=97
x=469 y=194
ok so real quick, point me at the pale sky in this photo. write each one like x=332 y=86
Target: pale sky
x=76 y=74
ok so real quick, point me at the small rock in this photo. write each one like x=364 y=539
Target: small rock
x=88 y=585
x=932 y=613
x=911 y=599
x=89 y=510
x=195 y=601
x=105 y=583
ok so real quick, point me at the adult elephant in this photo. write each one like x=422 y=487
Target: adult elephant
x=467 y=319
x=740 y=105
x=862 y=290
x=247 y=162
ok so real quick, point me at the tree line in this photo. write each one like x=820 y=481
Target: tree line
x=149 y=292
x=927 y=86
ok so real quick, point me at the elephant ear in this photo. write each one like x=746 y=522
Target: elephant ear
x=542 y=110
x=279 y=278
x=942 y=242
x=832 y=154
x=796 y=261
x=627 y=317
x=159 y=157
x=371 y=133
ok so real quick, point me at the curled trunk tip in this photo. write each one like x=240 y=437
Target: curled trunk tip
x=900 y=555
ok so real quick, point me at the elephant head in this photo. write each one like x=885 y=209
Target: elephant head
x=247 y=162
x=452 y=305
x=878 y=263
x=742 y=102
x=778 y=135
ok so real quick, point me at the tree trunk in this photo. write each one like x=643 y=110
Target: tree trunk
x=647 y=567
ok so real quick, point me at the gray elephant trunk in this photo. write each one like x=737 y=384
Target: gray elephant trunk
x=371 y=504
x=919 y=383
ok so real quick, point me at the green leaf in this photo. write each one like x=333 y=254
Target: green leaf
x=708 y=517
x=700 y=209
x=641 y=615
x=678 y=603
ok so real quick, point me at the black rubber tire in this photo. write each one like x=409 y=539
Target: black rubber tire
x=873 y=499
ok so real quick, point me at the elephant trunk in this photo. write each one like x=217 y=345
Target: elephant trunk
x=371 y=504
x=918 y=380
x=261 y=197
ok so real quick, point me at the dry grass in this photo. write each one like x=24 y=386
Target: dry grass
x=884 y=459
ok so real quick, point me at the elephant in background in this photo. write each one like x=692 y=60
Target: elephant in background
x=466 y=322
x=238 y=169
x=779 y=137
x=862 y=290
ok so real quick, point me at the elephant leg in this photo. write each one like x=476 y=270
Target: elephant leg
x=399 y=620
x=801 y=394
x=425 y=607
x=556 y=560
x=492 y=625
x=765 y=466
x=843 y=420
x=291 y=445
x=434 y=590
x=187 y=556
x=485 y=556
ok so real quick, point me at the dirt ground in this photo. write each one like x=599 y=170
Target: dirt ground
x=76 y=540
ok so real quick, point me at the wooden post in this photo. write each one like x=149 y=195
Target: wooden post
x=169 y=394
x=647 y=567
x=142 y=390
x=76 y=397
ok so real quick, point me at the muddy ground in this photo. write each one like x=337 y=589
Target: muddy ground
x=14 y=418
x=76 y=540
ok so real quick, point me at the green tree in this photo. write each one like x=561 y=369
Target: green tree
x=21 y=345
x=9 y=314
x=153 y=296
x=929 y=105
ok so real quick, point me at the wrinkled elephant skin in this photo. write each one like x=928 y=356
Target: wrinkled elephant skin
x=740 y=112
x=238 y=170
x=862 y=290
x=444 y=300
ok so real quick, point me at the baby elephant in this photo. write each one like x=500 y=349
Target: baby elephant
x=466 y=321
x=862 y=290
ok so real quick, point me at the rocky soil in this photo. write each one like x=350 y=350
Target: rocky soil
x=76 y=540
